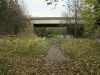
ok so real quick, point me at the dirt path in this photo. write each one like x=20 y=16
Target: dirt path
x=53 y=62
x=54 y=54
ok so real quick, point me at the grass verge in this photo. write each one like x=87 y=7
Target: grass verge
x=22 y=56
x=82 y=56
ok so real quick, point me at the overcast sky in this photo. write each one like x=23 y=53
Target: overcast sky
x=39 y=8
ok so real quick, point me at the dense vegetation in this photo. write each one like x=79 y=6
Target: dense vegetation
x=91 y=13
x=12 y=18
x=82 y=56
x=49 y=31
x=22 y=56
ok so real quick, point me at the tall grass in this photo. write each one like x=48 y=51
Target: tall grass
x=82 y=56
x=22 y=56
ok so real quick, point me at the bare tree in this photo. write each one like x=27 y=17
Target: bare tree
x=73 y=7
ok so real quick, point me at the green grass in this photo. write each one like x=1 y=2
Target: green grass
x=82 y=56
x=22 y=56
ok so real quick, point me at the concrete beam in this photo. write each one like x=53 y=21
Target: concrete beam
x=56 y=20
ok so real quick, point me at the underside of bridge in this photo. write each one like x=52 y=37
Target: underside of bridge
x=72 y=29
x=56 y=25
x=49 y=25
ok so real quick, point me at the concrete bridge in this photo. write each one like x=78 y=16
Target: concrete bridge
x=55 y=21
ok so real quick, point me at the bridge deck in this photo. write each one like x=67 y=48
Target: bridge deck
x=56 y=20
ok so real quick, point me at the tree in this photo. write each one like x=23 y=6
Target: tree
x=91 y=13
x=73 y=10
x=12 y=18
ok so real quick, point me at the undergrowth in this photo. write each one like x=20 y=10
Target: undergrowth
x=22 y=56
x=82 y=56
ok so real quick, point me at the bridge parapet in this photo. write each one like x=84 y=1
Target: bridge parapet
x=56 y=20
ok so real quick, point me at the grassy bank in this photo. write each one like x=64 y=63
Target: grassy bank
x=22 y=56
x=82 y=56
